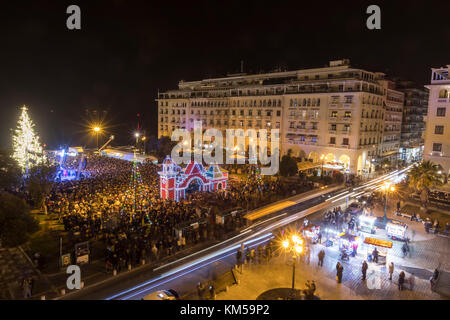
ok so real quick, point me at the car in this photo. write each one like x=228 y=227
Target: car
x=354 y=208
x=162 y=295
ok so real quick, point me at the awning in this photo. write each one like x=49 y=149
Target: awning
x=378 y=242
x=307 y=165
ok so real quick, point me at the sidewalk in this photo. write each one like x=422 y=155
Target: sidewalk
x=259 y=278
x=427 y=251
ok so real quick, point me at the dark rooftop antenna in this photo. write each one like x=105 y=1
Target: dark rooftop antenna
x=242 y=66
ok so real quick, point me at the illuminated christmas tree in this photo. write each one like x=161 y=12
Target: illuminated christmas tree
x=27 y=149
x=135 y=193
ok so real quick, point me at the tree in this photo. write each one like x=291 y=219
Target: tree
x=39 y=183
x=9 y=170
x=161 y=147
x=288 y=166
x=27 y=149
x=423 y=177
x=16 y=223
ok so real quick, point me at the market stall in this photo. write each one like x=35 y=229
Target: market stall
x=366 y=223
x=381 y=246
x=348 y=243
x=396 y=230
x=312 y=232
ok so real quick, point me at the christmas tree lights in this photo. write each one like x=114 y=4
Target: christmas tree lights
x=27 y=149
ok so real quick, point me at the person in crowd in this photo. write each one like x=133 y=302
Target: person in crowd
x=391 y=270
x=375 y=255
x=321 y=257
x=339 y=272
x=401 y=280
x=239 y=259
x=364 y=270
x=412 y=281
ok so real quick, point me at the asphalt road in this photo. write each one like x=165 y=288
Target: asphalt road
x=183 y=275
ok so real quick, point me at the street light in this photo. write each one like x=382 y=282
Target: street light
x=96 y=130
x=137 y=138
x=386 y=187
x=294 y=245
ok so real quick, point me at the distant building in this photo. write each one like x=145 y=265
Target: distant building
x=415 y=110
x=336 y=112
x=437 y=133
x=392 y=126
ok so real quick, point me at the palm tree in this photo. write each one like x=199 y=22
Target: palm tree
x=423 y=177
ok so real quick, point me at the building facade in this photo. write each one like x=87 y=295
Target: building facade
x=413 y=124
x=437 y=133
x=392 y=126
x=335 y=113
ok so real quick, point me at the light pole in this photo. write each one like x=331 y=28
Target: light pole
x=143 y=141
x=293 y=245
x=137 y=138
x=96 y=130
x=322 y=158
x=386 y=187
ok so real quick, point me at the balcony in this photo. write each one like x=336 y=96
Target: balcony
x=334 y=104
x=332 y=131
x=348 y=104
x=346 y=119
x=345 y=132
x=443 y=100
x=332 y=118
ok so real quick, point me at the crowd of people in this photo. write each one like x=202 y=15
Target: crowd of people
x=119 y=206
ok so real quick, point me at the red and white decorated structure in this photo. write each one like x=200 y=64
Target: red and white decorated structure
x=174 y=181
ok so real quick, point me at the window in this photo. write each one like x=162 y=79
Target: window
x=347 y=114
x=345 y=141
x=440 y=112
x=333 y=127
x=333 y=114
x=278 y=113
x=439 y=130
x=332 y=140
x=250 y=113
x=437 y=147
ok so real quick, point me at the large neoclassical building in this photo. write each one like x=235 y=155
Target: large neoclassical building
x=335 y=114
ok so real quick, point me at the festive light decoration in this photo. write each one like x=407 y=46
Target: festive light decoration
x=27 y=149
x=136 y=192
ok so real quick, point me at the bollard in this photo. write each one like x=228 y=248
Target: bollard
x=82 y=285
x=129 y=267
x=114 y=272
x=63 y=292
x=143 y=261
x=42 y=297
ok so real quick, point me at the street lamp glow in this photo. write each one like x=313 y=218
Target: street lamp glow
x=298 y=249
x=286 y=244
x=96 y=129
x=295 y=239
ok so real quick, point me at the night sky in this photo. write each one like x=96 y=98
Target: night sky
x=127 y=50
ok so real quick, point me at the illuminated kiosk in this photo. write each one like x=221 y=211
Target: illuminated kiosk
x=174 y=181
